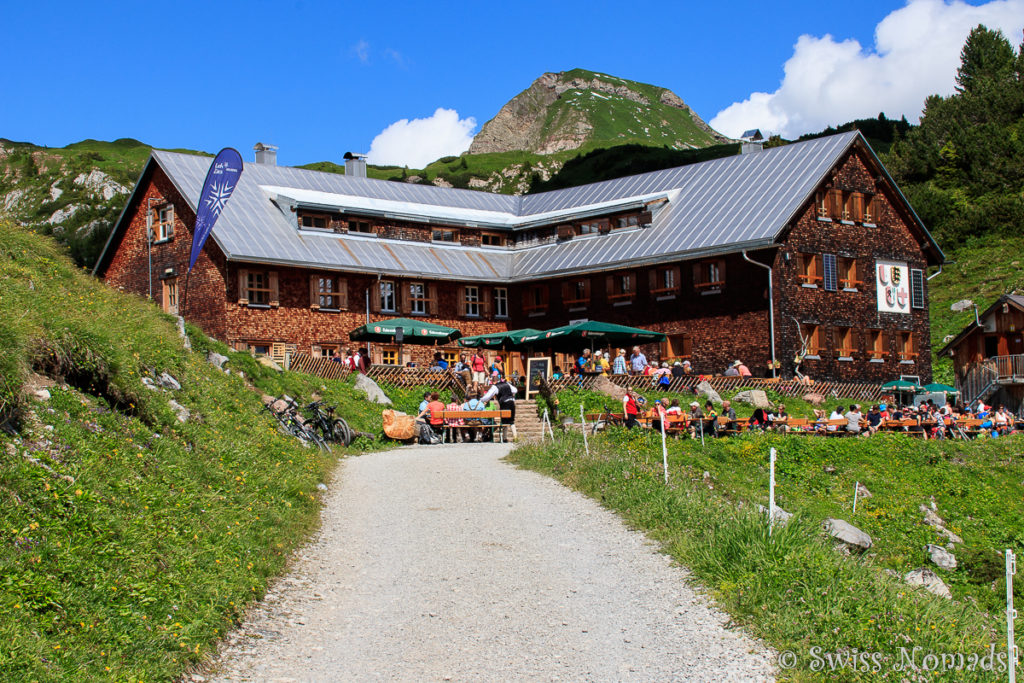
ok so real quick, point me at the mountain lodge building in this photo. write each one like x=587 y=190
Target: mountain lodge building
x=805 y=250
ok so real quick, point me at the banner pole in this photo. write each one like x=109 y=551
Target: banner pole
x=664 y=448
x=1011 y=614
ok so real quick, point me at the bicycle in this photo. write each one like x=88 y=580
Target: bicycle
x=291 y=423
x=605 y=419
x=330 y=428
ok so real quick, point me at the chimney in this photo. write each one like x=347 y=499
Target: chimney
x=266 y=154
x=355 y=165
x=751 y=141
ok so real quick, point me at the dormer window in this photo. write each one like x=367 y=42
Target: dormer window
x=492 y=239
x=360 y=226
x=314 y=221
x=449 y=235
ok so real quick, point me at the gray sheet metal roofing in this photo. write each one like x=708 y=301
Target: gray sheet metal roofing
x=715 y=206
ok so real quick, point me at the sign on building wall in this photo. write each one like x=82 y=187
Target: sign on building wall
x=892 y=282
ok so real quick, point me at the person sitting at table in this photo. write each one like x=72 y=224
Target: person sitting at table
x=837 y=414
x=431 y=416
x=1002 y=421
x=457 y=433
x=557 y=374
x=696 y=420
x=474 y=403
x=673 y=408
x=712 y=417
x=820 y=417
x=439 y=363
x=853 y=417
x=601 y=363
x=731 y=371
x=584 y=364
x=759 y=420
x=657 y=413
x=741 y=368
x=781 y=421
x=874 y=418
x=730 y=413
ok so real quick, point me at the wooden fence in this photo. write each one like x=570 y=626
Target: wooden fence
x=783 y=387
x=441 y=380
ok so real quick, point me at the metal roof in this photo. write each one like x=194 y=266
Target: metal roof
x=727 y=204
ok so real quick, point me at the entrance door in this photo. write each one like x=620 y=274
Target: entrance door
x=991 y=346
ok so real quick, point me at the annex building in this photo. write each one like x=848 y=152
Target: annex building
x=805 y=250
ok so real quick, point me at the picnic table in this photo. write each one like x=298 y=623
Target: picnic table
x=483 y=419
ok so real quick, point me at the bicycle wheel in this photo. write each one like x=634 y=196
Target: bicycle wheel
x=342 y=434
x=598 y=426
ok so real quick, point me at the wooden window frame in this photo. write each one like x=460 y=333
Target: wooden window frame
x=382 y=297
x=847 y=271
x=624 y=222
x=709 y=276
x=496 y=239
x=390 y=353
x=451 y=356
x=571 y=295
x=812 y=333
x=314 y=216
x=905 y=340
x=501 y=302
x=809 y=269
x=876 y=345
x=325 y=350
x=335 y=294
x=422 y=300
x=537 y=300
x=842 y=342
x=454 y=232
x=659 y=287
x=870 y=206
x=620 y=288
x=355 y=225
x=245 y=290
x=685 y=342
x=165 y=223
x=471 y=301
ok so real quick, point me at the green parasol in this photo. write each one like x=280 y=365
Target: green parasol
x=511 y=339
x=413 y=331
x=939 y=388
x=900 y=385
x=593 y=333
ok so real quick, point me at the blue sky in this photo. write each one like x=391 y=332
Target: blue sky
x=322 y=78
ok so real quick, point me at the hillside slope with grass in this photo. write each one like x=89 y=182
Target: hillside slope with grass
x=130 y=541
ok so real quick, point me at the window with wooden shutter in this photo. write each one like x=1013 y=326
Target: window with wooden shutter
x=386 y=295
x=418 y=301
x=374 y=296
x=165 y=227
x=811 y=336
x=843 y=342
x=916 y=288
x=809 y=269
x=870 y=204
x=830 y=276
x=170 y=295
x=432 y=302
x=857 y=207
x=576 y=293
x=471 y=301
x=342 y=294
x=243 y=286
x=645 y=218
x=876 y=345
x=835 y=203
x=403 y=294
x=905 y=341
x=258 y=288
x=821 y=205
x=486 y=297
x=536 y=301
x=500 y=302
x=848 y=273
x=324 y=292
x=566 y=232
x=709 y=276
x=663 y=281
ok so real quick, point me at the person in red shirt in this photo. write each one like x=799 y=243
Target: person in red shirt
x=629 y=407
x=432 y=413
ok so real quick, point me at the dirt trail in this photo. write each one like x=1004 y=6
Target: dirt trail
x=445 y=563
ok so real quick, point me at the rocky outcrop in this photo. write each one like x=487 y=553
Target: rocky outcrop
x=754 y=397
x=930 y=581
x=846 y=533
x=372 y=390
x=536 y=121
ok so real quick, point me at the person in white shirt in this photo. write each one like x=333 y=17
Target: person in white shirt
x=837 y=414
x=506 y=394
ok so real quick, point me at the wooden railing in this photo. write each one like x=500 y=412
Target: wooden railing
x=785 y=387
x=317 y=365
x=983 y=377
x=398 y=376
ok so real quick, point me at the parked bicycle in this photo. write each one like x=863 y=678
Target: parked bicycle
x=291 y=423
x=605 y=419
x=330 y=428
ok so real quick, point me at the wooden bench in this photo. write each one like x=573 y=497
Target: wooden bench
x=451 y=417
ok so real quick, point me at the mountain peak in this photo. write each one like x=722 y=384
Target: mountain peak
x=567 y=110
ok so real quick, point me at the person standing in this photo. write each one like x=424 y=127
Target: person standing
x=637 y=362
x=479 y=367
x=619 y=366
x=506 y=395
x=630 y=408
x=363 y=360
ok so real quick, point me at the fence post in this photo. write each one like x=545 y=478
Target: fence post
x=664 y=447
x=1011 y=614
x=771 y=490
x=583 y=425
x=856 y=487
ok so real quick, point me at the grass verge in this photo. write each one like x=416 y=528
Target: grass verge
x=793 y=589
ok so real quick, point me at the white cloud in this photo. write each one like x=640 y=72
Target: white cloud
x=828 y=82
x=362 y=51
x=418 y=142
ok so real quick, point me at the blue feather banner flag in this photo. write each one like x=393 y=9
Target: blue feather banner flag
x=221 y=180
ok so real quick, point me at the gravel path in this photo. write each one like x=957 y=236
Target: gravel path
x=445 y=563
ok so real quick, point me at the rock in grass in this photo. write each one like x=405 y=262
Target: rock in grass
x=168 y=382
x=781 y=517
x=181 y=411
x=216 y=359
x=942 y=557
x=847 y=533
x=605 y=386
x=930 y=581
x=932 y=519
x=814 y=399
x=150 y=384
x=269 y=363
x=372 y=390
x=704 y=389
x=862 y=491
x=754 y=397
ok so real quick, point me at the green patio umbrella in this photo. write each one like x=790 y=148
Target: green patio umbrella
x=498 y=340
x=900 y=385
x=414 y=332
x=592 y=333
x=939 y=388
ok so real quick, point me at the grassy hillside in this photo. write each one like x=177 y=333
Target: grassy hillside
x=792 y=589
x=130 y=541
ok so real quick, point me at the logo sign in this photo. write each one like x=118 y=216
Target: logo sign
x=221 y=180
x=892 y=281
